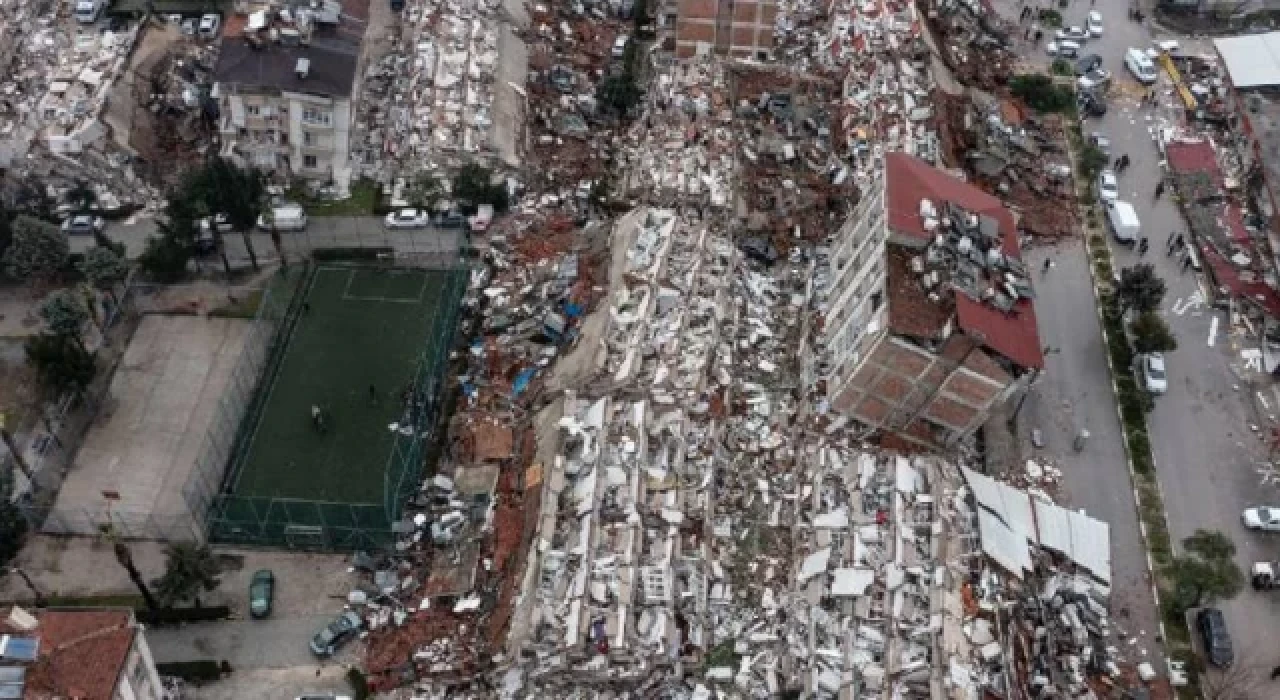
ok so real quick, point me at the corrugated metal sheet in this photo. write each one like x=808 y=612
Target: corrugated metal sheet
x=1252 y=61
x=1006 y=547
x=1082 y=539
x=1011 y=506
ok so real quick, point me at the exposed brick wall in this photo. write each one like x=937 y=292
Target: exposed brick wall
x=698 y=9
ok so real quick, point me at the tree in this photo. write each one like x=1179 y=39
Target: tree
x=474 y=184
x=190 y=568
x=619 y=92
x=7 y=436
x=65 y=313
x=164 y=260
x=1151 y=334
x=6 y=228
x=81 y=197
x=426 y=192
x=125 y=557
x=1041 y=93
x=60 y=363
x=1140 y=289
x=13 y=526
x=238 y=194
x=1206 y=571
x=104 y=269
x=33 y=199
x=39 y=250
x=1092 y=161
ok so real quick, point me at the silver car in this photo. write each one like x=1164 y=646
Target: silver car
x=1108 y=186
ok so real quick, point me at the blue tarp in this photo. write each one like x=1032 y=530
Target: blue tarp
x=522 y=381
x=572 y=310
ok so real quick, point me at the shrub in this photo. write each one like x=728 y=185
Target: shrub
x=353 y=253
x=359 y=685
x=170 y=616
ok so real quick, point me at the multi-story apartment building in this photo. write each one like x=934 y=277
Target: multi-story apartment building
x=287 y=108
x=83 y=654
x=737 y=28
x=930 y=323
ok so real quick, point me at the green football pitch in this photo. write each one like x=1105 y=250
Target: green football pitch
x=353 y=351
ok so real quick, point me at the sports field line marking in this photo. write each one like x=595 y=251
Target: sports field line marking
x=275 y=376
x=348 y=296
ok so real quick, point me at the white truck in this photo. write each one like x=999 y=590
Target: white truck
x=1265 y=575
x=1123 y=221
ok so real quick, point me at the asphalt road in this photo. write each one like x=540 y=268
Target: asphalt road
x=1205 y=451
x=329 y=231
x=273 y=643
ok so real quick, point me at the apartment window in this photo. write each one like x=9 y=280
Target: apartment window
x=307 y=138
x=876 y=300
x=308 y=161
x=316 y=116
x=253 y=110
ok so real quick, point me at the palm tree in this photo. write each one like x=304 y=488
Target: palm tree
x=125 y=557
x=189 y=569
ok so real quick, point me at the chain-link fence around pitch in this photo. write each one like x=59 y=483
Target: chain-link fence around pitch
x=337 y=481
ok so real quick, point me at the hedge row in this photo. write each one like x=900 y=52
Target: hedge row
x=171 y=616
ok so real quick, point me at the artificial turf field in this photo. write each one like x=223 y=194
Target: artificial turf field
x=358 y=327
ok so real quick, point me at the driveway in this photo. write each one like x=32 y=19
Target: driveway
x=277 y=642
x=1205 y=451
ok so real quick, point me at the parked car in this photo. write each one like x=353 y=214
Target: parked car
x=322 y=697
x=1154 y=378
x=336 y=634
x=209 y=25
x=1094 y=24
x=408 y=219
x=1063 y=49
x=451 y=219
x=1100 y=142
x=83 y=225
x=285 y=216
x=1073 y=33
x=1262 y=518
x=1088 y=62
x=1214 y=636
x=262 y=589
x=1094 y=80
x=1090 y=105
x=218 y=220
x=1108 y=186
x=620 y=45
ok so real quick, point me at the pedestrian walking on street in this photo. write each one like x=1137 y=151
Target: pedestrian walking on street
x=1275 y=673
x=1038 y=35
x=1048 y=263
x=1181 y=242
x=1159 y=189
x=1186 y=262
x=1168 y=242
x=1026 y=35
x=1142 y=246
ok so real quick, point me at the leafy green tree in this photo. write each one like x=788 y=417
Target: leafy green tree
x=164 y=260
x=619 y=92
x=190 y=569
x=1152 y=334
x=426 y=192
x=1041 y=93
x=61 y=364
x=1092 y=162
x=104 y=269
x=13 y=526
x=65 y=313
x=6 y=228
x=1206 y=572
x=102 y=240
x=474 y=184
x=81 y=197
x=39 y=251
x=1140 y=289
x=34 y=200
x=237 y=193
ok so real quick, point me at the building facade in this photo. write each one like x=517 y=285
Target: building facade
x=287 y=109
x=736 y=28
x=931 y=323
x=87 y=654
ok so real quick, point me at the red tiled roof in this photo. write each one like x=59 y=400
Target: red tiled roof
x=1226 y=275
x=82 y=653
x=1193 y=157
x=1233 y=217
x=1016 y=334
x=910 y=311
x=909 y=180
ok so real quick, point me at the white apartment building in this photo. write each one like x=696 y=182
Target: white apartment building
x=857 y=313
x=287 y=109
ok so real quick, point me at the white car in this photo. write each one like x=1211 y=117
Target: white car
x=1094 y=79
x=219 y=220
x=1108 y=186
x=209 y=25
x=1154 y=378
x=83 y=225
x=1077 y=34
x=1094 y=24
x=1063 y=49
x=1262 y=518
x=408 y=219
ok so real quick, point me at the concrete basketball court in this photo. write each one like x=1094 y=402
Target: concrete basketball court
x=144 y=442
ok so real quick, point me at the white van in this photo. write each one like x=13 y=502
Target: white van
x=88 y=11
x=1123 y=221
x=1140 y=65
x=284 y=217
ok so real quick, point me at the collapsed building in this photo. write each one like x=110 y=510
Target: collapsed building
x=931 y=320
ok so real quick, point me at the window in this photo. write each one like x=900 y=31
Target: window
x=252 y=110
x=876 y=300
x=308 y=161
x=307 y=138
x=315 y=116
